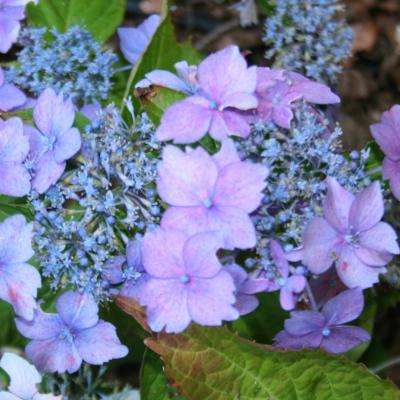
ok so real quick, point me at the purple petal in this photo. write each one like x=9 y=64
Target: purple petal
x=241 y=101
x=78 y=311
x=224 y=73
x=200 y=254
x=282 y=116
x=44 y=326
x=319 y=241
x=240 y=185
x=267 y=78
x=47 y=172
x=226 y=155
x=167 y=79
x=14 y=179
x=296 y=283
x=186 y=179
x=238 y=274
x=304 y=322
x=150 y=25
x=354 y=273
x=19 y=288
x=112 y=270
x=287 y=299
x=255 y=285
x=210 y=301
x=14 y=145
x=9 y=31
x=133 y=43
x=133 y=288
x=134 y=254
x=345 y=307
x=227 y=123
x=246 y=303
x=15 y=240
x=166 y=302
x=52 y=115
x=186 y=121
x=67 y=145
x=344 y=338
x=279 y=258
x=99 y=344
x=367 y=208
x=57 y=355
x=337 y=205
x=235 y=224
x=391 y=171
x=11 y=97
x=162 y=253
x=286 y=341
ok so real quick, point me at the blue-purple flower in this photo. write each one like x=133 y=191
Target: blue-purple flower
x=313 y=329
x=54 y=141
x=10 y=96
x=19 y=281
x=60 y=342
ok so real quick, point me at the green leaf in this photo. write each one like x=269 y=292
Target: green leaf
x=162 y=52
x=214 y=364
x=153 y=382
x=11 y=206
x=156 y=99
x=100 y=17
x=9 y=336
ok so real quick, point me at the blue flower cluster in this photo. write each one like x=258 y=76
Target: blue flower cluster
x=299 y=160
x=87 y=217
x=73 y=63
x=308 y=37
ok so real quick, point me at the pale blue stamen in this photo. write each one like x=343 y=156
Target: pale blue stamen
x=326 y=332
x=281 y=282
x=67 y=335
x=212 y=105
x=208 y=203
x=184 y=278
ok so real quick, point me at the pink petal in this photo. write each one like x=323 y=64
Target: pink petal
x=282 y=116
x=200 y=254
x=78 y=311
x=267 y=77
x=57 y=355
x=227 y=123
x=345 y=307
x=391 y=171
x=186 y=179
x=240 y=100
x=235 y=224
x=354 y=273
x=319 y=241
x=367 y=208
x=184 y=122
x=99 y=344
x=166 y=302
x=226 y=155
x=162 y=251
x=240 y=185
x=337 y=205
x=210 y=301
x=224 y=73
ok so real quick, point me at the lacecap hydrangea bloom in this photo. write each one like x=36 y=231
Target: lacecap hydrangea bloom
x=211 y=193
x=73 y=63
x=226 y=86
x=186 y=281
x=133 y=41
x=308 y=37
x=60 y=342
x=350 y=235
x=387 y=134
x=24 y=379
x=325 y=329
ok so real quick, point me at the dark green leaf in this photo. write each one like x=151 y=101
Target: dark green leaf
x=100 y=17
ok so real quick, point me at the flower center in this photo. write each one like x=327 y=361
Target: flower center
x=281 y=282
x=208 y=203
x=184 y=278
x=67 y=335
x=212 y=105
x=48 y=142
x=326 y=332
x=352 y=239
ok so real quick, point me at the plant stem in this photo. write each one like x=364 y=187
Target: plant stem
x=311 y=297
x=387 y=364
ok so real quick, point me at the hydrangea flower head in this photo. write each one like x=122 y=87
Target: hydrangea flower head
x=184 y=81
x=186 y=281
x=24 y=379
x=54 y=141
x=246 y=288
x=351 y=235
x=135 y=40
x=277 y=90
x=10 y=96
x=19 y=281
x=387 y=135
x=60 y=342
x=211 y=193
x=312 y=329
x=226 y=87
x=14 y=148
x=289 y=286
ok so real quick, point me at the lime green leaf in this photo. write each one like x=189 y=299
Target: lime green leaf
x=376 y=156
x=100 y=17
x=214 y=364
x=162 y=52
x=156 y=99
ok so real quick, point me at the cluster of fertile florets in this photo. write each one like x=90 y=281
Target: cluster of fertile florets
x=72 y=63
x=309 y=37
